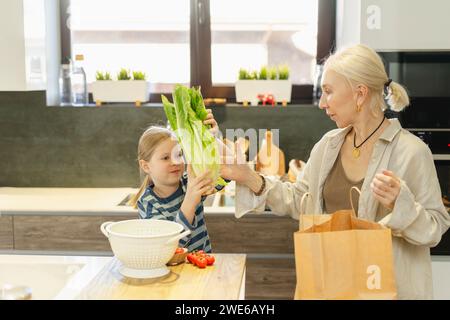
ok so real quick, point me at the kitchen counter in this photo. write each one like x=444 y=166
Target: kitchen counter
x=76 y=201
x=78 y=277
x=225 y=280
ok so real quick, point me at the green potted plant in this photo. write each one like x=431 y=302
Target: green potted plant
x=269 y=80
x=263 y=73
x=273 y=73
x=123 y=74
x=102 y=76
x=129 y=86
x=283 y=72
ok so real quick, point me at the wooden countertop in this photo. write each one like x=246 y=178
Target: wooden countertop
x=222 y=281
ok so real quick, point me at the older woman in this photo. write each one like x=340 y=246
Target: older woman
x=393 y=168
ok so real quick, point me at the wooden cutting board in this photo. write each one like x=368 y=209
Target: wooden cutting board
x=222 y=280
x=270 y=159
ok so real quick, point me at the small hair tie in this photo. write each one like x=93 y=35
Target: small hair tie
x=387 y=90
x=388 y=83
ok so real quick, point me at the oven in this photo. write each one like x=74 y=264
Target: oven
x=426 y=76
x=438 y=140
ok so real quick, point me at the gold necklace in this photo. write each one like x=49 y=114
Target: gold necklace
x=356 y=151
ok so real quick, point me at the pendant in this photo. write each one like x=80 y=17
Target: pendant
x=355 y=153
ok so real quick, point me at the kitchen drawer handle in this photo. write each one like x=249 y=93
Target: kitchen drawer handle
x=103 y=228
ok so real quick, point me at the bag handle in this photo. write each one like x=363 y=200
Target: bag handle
x=303 y=209
x=355 y=214
x=303 y=202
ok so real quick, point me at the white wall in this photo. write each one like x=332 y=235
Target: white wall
x=53 y=50
x=394 y=25
x=34 y=39
x=23 y=45
x=12 y=46
x=348 y=22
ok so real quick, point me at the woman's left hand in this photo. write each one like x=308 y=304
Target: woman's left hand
x=385 y=188
x=211 y=121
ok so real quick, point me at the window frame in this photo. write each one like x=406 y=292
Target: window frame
x=200 y=49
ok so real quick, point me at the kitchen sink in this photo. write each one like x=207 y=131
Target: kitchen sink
x=218 y=199
x=49 y=277
x=125 y=200
x=222 y=202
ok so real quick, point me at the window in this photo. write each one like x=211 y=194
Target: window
x=263 y=32
x=199 y=42
x=149 y=36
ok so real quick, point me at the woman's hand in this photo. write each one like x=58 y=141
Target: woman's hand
x=234 y=165
x=209 y=120
x=386 y=188
x=234 y=171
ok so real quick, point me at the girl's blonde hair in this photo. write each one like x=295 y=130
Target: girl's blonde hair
x=360 y=64
x=148 y=142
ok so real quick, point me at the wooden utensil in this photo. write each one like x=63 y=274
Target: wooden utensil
x=270 y=159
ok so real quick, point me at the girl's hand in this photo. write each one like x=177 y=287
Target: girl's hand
x=197 y=186
x=211 y=121
x=386 y=187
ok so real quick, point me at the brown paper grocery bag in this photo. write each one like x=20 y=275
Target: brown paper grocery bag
x=344 y=257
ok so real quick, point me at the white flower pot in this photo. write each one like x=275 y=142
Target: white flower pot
x=121 y=91
x=248 y=90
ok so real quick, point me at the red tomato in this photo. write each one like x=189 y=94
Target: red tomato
x=200 y=252
x=190 y=258
x=195 y=260
x=201 y=262
x=210 y=260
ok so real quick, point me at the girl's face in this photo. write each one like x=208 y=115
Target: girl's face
x=166 y=165
x=338 y=99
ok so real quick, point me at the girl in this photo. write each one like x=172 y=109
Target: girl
x=167 y=191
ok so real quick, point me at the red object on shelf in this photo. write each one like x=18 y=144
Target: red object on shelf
x=267 y=99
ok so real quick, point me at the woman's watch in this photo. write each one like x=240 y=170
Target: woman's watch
x=263 y=186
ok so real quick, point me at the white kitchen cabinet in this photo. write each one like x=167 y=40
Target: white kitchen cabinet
x=441 y=277
x=400 y=25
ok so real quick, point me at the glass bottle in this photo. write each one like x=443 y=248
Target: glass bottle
x=78 y=82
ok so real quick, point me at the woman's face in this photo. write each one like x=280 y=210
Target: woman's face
x=166 y=166
x=338 y=99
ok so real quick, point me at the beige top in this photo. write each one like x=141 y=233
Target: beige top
x=336 y=190
x=417 y=221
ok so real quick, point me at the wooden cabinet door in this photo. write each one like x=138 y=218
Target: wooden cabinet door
x=61 y=233
x=6 y=233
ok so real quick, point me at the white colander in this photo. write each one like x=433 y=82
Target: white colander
x=144 y=246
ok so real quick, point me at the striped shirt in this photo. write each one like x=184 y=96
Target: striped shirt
x=150 y=206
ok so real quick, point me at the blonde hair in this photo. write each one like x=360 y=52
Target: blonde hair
x=360 y=64
x=148 y=142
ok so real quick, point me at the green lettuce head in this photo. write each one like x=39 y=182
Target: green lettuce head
x=185 y=116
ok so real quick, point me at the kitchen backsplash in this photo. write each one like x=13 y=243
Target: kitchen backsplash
x=96 y=147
